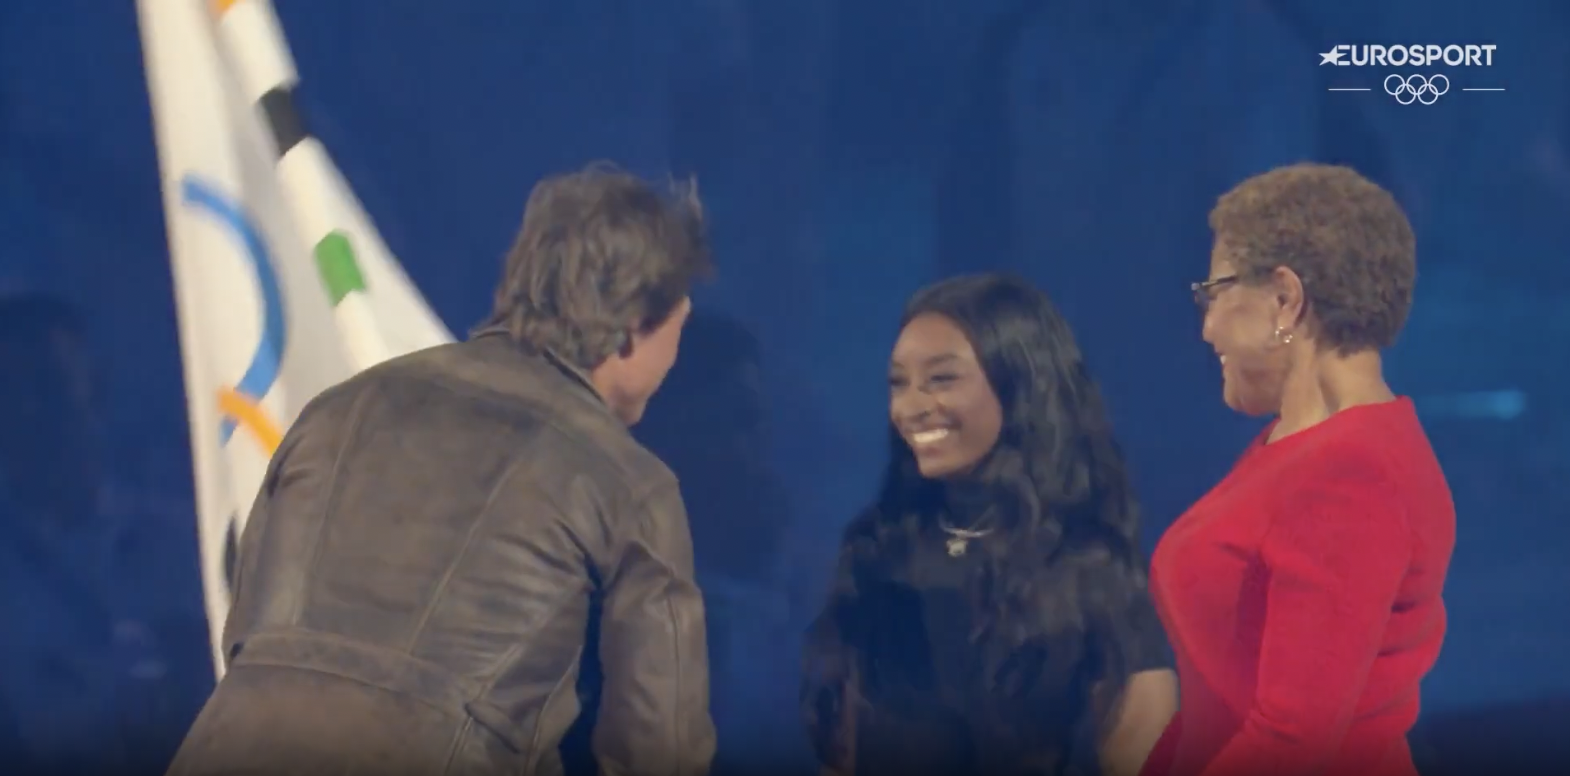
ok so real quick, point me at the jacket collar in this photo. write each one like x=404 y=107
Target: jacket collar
x=573 y=372
x=570 y=370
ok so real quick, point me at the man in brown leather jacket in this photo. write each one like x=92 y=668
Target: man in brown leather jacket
x=443 y=541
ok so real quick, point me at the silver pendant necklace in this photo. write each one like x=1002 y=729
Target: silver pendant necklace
x=960 y=538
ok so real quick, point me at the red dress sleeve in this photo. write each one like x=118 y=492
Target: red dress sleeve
x=1335 y=559
x=1159 y=761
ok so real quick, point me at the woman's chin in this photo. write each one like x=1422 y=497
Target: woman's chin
x=1245 y=403
x=938 y=469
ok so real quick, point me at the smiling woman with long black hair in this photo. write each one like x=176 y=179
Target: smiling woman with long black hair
x=989 y=612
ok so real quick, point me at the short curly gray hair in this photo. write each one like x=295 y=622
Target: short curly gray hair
x=1344 y=235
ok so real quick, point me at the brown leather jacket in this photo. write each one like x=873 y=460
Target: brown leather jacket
x=420 y=571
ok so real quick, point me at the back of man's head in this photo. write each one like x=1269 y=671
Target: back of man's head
x=601 y=255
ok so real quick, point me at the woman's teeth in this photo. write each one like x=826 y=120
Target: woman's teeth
x=928 y=437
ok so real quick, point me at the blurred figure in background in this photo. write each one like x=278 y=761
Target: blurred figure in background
x=709 y=423
x=59 y=669
x=90 y=678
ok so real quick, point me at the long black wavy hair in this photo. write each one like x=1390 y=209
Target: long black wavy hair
x=1062 y=565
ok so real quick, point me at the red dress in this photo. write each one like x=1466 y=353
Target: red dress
x=1302 y=598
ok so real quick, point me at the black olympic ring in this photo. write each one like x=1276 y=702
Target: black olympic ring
x=1417 y=88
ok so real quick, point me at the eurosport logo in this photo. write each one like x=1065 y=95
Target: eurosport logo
x=1416 y=88
x=1410 y=56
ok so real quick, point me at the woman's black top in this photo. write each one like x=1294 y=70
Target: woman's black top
x=930 y=709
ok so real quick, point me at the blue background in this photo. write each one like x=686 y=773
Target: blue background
x=849 y=152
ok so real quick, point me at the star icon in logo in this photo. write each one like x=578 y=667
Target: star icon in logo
x=1331 y=57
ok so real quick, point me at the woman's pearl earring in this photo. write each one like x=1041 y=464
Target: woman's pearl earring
x=1283 y=336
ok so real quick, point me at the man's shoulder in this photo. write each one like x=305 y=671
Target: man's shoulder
x=572 y=448
x=553 y=417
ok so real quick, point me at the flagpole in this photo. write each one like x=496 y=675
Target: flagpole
x=253 y=39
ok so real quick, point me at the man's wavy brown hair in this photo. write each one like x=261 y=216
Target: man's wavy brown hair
x=601 y=254
x=1345 y=237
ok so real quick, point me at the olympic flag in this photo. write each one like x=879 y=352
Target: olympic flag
x=283 y=286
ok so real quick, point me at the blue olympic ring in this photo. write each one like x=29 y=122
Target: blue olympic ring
x=262 y=373
x=1416 y=88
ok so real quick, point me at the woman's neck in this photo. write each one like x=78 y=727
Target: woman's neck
x=1326 y=384
x=966 y=501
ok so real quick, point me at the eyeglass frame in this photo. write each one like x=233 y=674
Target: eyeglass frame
x=1201 y=290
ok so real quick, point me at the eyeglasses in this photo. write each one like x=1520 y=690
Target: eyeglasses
x=1203 y=290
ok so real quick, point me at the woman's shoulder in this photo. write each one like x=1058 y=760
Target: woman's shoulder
x=1344 y=467
x=859 y=542
x=862 y=551
x=1370 y=441
x=863 y=526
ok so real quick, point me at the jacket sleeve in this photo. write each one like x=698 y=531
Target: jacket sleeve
x=247 y=545
x=654 y=706
x=300 y=465
x=1335 y=559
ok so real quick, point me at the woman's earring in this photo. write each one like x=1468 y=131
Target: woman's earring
x=1283 y=336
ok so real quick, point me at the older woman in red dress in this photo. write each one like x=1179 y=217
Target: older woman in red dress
x=1302 y=594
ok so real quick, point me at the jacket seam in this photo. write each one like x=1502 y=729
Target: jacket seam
x=550 y=698
x=678 y=729
x=454 y=747
x=463 y=553
x=344 y=443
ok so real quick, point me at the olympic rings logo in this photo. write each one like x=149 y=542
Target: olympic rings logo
x=1416 y=88
x=240 y=404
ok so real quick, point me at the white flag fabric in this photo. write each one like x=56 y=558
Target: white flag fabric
x=283 y=287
